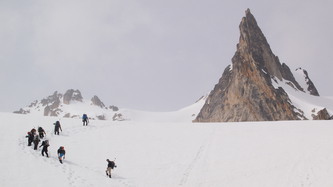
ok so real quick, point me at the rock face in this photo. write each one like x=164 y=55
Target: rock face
x=96 y=101
x=72 y=95
x=322 y=115
x=309 y=84
x=52 y=104
x=245 y=91
x=114 y=108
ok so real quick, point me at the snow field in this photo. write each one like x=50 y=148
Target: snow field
x=284 y=153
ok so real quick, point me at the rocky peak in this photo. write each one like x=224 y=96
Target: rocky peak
x=97 y=102
x=252 y=41
x=50 y=100
x=310 y=87
x=245 y=91
x=72 y=95
x=59 y=105
x=51 y=104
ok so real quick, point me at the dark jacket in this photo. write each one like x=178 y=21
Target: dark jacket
x=57 y=126
x=30 y=136
x=61 y=151
x=40 y=130
x=45 y=144
x=111 y=164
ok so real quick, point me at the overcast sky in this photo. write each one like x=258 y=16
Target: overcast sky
x=154 y=55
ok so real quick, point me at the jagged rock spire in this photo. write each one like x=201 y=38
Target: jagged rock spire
x=245 y=91
x=252 y=41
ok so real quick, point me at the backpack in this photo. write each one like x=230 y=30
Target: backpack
x=46 y=143
x=36 y=138
x=84 y=116
x=57 y=124
x=112 y=164
x=40 y=129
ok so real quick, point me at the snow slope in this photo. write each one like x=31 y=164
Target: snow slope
x=152 y=152
x=309 y=104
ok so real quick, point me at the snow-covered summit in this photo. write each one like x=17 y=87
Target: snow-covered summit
x=71 y=104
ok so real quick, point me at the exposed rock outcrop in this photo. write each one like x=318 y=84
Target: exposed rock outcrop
x=101 y=117
x=97 y=102
x=310 y=87
x=245 y=91
x=72 y=95
x=114 y=108
x=22 y=111
x=53 y=100
x=52 y=104
x=322 y=115
x=117 y=117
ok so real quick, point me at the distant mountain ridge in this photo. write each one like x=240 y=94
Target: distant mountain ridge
x=254 y=87
x=71 y=104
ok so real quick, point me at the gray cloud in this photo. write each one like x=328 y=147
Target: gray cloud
x=149 y=55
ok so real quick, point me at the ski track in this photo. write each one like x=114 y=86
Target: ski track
x=197 y=158
x=306 y=174
x=190 y=167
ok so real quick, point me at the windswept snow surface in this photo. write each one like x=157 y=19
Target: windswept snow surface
x=150 y=154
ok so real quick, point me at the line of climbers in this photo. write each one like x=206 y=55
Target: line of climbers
x=35 y=138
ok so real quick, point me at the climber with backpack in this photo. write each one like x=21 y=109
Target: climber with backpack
x=111 y=165
x=57 y=126
x=41 y=132
x=45 y=145
x=85 y=119
x=36 y=141
x=61 y=153
x=33 y=131
x=30 y=137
